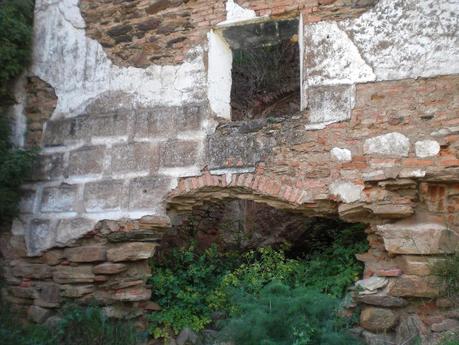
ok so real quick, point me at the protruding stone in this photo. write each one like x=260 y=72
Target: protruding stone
x=75 y=291
x=377 y=319
x=406 y=237
x=69 y=230
x=446 y=325
x=392 y=144
x=33 y=271
x=132 y=294
x=53 y=257
x=382 y=300
x=109 y=268
x=346 y=191
x=414 y=286
x=86 y=254
x=427 y=148
x=131 y=251
x=341 y=155
x=72 y=275
x=417 y=265
x=373 y=283
x=38 y=314
x=48 y=295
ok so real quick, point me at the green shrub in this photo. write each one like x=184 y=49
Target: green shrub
x=79 y=326
x=15 y=167
x=190 y=286
x=448 y=272
x=281 y=315
x=16 y=18
x=89 y=326
x=450 y=339
x=182 y=282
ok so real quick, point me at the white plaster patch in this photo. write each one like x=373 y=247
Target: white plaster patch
x=396 y=39
x=346 y=191
x=236 y=13
x=79 y=70
x=408 y=172
x=219 y=75
x=341 y=155
x=393 y=144
x=426 y=148
x=333 y=57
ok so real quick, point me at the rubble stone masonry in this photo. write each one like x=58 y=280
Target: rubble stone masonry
x=118 y=99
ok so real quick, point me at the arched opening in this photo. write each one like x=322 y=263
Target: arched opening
x=220 y=247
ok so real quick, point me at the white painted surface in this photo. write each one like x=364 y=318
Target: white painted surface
x=393 y=144
x=219 y=75
x=79 y=70
x=236 y=13
x=341 y=155
x=347 y=191
x=427 y=148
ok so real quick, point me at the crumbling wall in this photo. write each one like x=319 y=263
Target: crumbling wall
x=129 y=132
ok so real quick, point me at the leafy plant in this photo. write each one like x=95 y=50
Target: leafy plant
x=16 y=17
x=90 y=326
x=182 y=282
x=450 y=339
x=281 y=315
x=15 y=167
x=447 y=270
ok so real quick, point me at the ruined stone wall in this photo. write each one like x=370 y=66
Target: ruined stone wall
x=125 y=101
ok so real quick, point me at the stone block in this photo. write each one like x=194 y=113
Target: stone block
x=416 y=265
x=53 y=257
x=179 y=153
x=73 y=275
x=189 y=116
x=414 y=286
x=86 y=160
x=86 y=254
x=382 y=300
x=134 y=157
x=49 y=295
x=330 y=103
x=31 y=271
x=377 y=319
x=347 y=191
x=132 y=294
x=38 y=314
x=160 y=122
x=406 y=237
x=76 y=291
x=426 y=148
x=131 y=251
x=109 y=268
x=23 y=292
x=229 y=150
x=391 y=144
x=48 y=167
x=56 y=132
x=59 y=199
x=146 y=192
x=27 y=202
x=41 y=235
x=103 y=195
x=87 y=126
x=71 y=229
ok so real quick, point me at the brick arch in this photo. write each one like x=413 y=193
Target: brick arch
x=250 y=186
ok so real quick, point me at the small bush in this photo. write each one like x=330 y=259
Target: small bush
x=89 y=326
x=182 y=282
x=16 y=17
x=280 y=315
x=79 y=326
x=448 y=272
x=15 y=167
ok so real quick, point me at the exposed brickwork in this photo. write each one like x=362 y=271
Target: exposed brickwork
x=141 y=33
x=41 y=102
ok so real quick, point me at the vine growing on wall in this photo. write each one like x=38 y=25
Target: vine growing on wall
x=16 y=19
